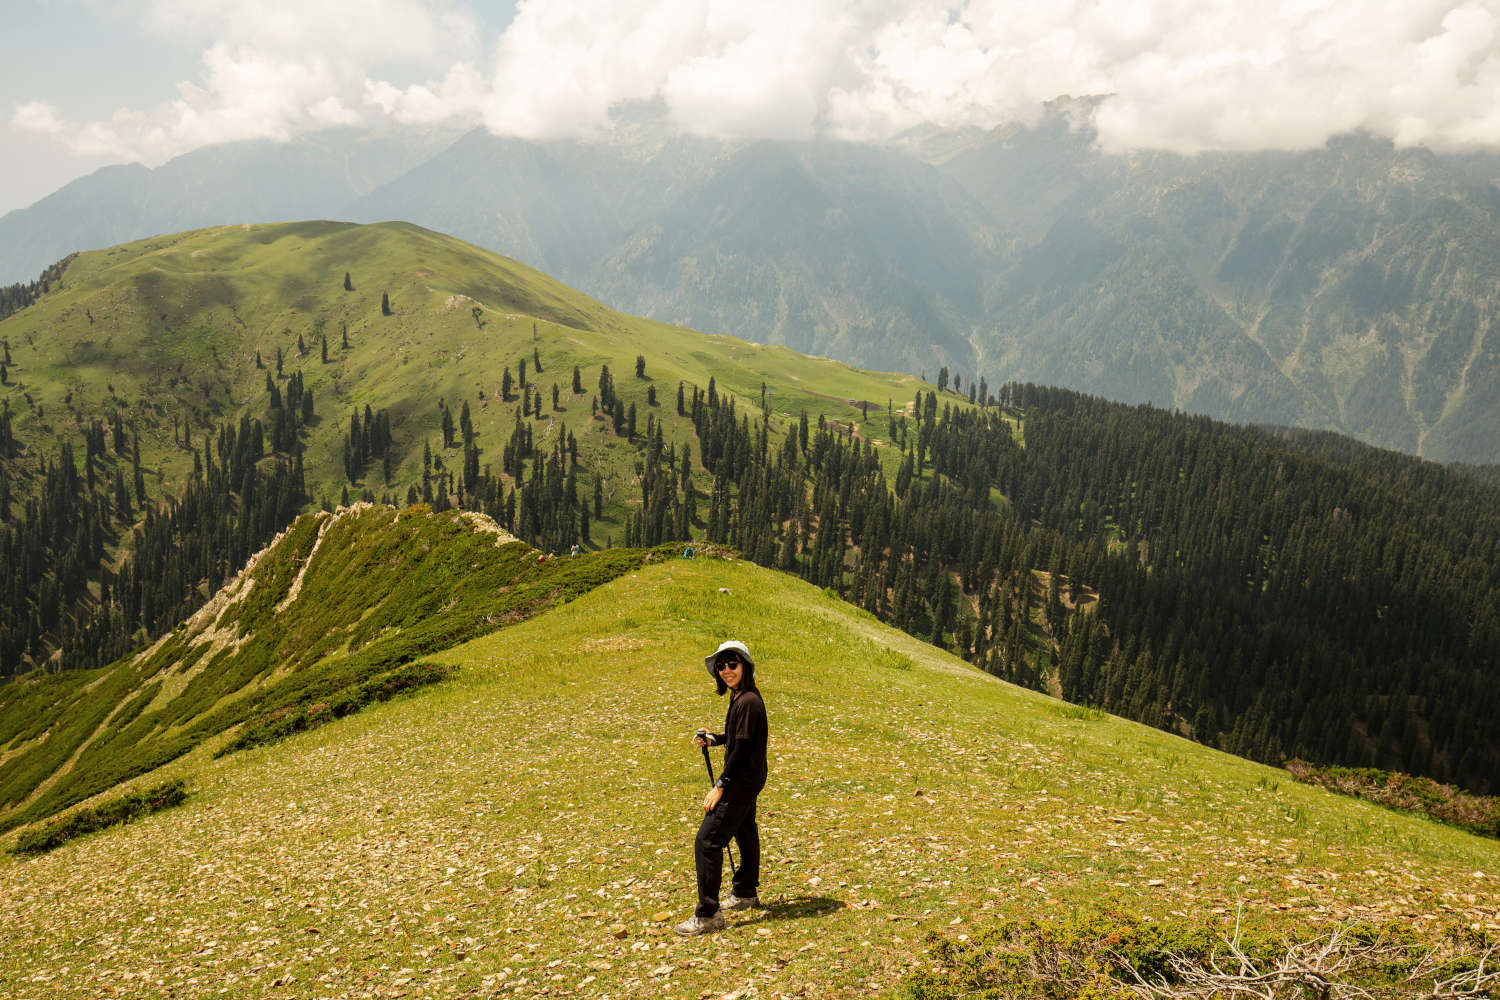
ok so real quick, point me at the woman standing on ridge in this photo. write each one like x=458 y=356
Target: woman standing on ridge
x=729 y=806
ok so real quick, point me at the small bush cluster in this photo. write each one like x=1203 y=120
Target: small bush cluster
x=1475 y=813
x=1081 y=713
x=893 y=659
x=123 y=809
x=284 y=722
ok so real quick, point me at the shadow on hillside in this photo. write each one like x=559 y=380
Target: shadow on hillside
x=794 y=908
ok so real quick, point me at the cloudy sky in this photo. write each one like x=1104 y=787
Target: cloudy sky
x=90 y=82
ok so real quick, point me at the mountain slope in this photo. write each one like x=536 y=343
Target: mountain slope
x=1343 y=288
x=1338 y=288
x=521 y=828
x=335 y=603
x=187 y=328
x=255 y=181
x=833 y=249
x=505 y=194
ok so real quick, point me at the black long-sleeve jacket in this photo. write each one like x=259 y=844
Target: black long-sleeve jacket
x=744 y=742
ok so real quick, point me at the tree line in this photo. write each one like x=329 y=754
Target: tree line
x=65 y=604
x=14 y=298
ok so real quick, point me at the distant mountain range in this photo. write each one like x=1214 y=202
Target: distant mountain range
x=1347 y=288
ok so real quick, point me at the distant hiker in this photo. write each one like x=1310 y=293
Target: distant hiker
x=687 y=553
x=729 y=806
x=573 y=551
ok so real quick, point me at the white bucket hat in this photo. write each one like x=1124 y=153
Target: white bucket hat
x=724 y=647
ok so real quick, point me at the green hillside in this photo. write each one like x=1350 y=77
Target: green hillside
x=339 y=606
x=524 y=829
x=168 y=330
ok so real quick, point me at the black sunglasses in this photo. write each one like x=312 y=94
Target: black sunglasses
x=728 y=661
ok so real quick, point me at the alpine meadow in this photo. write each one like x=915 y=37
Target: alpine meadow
x=358 y=587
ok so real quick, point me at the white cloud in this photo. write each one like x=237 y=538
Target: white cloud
x=39 y=117
x=1180 y=74
x=272 y=70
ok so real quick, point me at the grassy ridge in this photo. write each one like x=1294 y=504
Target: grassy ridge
x=327 y=614
x=525 y=829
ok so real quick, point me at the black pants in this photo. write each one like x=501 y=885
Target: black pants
x=733 y=818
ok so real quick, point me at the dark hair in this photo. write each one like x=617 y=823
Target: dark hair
x=747 y=679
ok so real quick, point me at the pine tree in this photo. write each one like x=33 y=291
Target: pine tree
x=606 y=389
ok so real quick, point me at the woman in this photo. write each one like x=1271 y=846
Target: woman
x=729 y=806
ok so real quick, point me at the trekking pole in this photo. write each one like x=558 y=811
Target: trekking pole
x=727 y=849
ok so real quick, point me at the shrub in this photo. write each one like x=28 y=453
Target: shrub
x=289 y=719
x=1445 y=803
x=122 y=809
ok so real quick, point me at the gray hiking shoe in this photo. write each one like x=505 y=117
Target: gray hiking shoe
x=739 y=903
x=701 y=925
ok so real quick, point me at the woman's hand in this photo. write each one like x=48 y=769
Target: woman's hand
x=712 y=798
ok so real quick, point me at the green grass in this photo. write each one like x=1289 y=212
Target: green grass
x=525 y=828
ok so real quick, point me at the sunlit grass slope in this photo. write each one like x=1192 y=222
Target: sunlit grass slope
x=525 y=829
x=167 y=330
x=338 y=602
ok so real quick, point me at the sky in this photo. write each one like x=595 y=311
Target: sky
x=85 y=83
